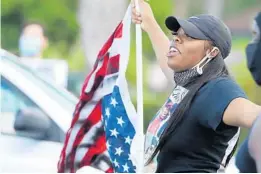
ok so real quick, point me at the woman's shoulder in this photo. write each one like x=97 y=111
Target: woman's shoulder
x=225 y=85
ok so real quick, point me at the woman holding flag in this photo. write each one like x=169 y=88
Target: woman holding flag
x=202 y=130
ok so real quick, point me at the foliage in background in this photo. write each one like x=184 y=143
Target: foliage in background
x=58 y=16
x=235 y=7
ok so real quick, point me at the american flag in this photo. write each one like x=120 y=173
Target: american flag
x=105 y=120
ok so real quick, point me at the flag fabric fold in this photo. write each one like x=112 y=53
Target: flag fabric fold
x=105 y=120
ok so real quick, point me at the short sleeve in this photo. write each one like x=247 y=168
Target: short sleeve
x=214 y=98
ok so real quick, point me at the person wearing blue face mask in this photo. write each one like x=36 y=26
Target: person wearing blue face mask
x=32 y=41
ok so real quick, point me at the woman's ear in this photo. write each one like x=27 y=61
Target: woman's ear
x=214 y=52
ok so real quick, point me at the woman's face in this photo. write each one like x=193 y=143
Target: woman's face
x=185 y=52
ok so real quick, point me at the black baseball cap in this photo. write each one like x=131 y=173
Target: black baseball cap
x=204 y=27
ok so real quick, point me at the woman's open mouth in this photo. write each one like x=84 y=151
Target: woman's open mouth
x=173 y=52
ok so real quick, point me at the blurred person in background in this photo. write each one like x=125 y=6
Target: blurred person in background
x=33 y=40
x=32 y=44
x=249 y=156
x=201 y=134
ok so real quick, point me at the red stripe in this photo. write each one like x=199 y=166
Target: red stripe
x=98 y=148
x=85 y=83
x=106 y=47
x=110 y=170
x=117 y=34
x=113 y=65
x=93 y=119
x=98 y=79
x=77 y=112
x=118 y=31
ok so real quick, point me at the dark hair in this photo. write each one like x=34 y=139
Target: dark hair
x=26 y=24
x=214 y=69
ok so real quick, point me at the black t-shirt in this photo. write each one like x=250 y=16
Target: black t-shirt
x=202 y=142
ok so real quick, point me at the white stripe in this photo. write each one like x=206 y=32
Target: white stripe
x=73 y=134
x=104 y=166
x=115 y=47
x=231 y=145
x=109 y=83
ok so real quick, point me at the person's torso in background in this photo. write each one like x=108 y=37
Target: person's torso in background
x=55 y=70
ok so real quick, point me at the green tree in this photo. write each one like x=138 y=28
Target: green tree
x=58 y=16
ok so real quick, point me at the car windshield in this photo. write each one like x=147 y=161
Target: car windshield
x=65 y=98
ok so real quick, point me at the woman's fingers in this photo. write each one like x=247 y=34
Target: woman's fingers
x=136 y=17
x=136 y=21
x=134 y=11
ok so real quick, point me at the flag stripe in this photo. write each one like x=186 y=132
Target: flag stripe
x=99 y=76
x=88 y=140
x=113 y=65
x=61 y=163
x=98 y=148
x=92 y=119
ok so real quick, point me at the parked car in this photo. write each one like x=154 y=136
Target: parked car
x=35 y=115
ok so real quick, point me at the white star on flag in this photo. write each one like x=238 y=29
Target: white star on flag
x=129 y=157
x=114 y=132
x=107 y=112
x=120 y=121
x=116 y=163
x=113 y=102
x=125 y=168
x=108 y=144
x=128 y=140
x=118 y=151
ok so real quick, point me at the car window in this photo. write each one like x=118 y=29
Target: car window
x=13 y=102
x=65 y=98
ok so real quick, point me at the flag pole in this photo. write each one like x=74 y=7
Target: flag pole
x=139 y=75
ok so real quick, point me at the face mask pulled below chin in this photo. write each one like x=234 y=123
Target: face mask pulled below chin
x=29 y=46
x=184 y=77
x=253 y=53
